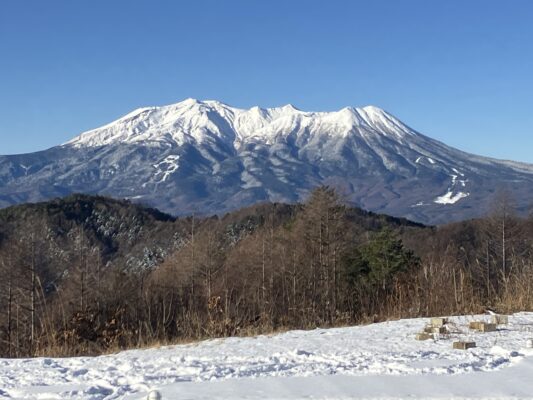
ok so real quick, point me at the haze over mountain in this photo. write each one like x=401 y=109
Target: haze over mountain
x=208 y=157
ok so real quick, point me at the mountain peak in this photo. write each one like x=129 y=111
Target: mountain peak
x=290 y=107
x=374 y=109
x=191 y=119
x=189 y=100
x=374 y=113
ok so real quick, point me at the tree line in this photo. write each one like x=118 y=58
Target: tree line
x=69 y=286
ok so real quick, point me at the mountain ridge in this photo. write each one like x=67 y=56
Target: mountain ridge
x=244 y=121
x=206 y=157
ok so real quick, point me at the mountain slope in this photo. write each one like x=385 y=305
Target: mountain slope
x=205 y=157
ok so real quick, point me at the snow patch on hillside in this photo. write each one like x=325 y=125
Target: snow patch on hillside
x=451 y=197
x=166 y=167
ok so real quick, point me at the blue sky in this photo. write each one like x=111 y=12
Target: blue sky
x=458 y=71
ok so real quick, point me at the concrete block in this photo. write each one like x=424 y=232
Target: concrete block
x=464 y=345
x=499 y=319
x=434 y=329
x=486 y=327
x=482 y=326
x=423 y=336
x=440 y=330
x=438 y=322
x=475 y=325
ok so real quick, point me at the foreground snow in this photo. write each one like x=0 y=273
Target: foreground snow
x=375 y=361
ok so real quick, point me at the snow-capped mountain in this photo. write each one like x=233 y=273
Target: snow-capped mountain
x=207 y=157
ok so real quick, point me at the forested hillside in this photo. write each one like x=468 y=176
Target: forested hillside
x=85 y=275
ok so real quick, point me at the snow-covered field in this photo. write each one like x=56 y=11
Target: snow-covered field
x=378 y=361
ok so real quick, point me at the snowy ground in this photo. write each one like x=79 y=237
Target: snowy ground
x=379 y=361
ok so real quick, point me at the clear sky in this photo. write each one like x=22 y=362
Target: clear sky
x=460 y=71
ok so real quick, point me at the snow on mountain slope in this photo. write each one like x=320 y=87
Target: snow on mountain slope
x=197 y=120
x=208 y=157
x=374 y=361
